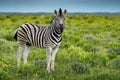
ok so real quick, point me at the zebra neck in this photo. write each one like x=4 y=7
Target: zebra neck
x=57 y=33
x=54 y=35
x=56 y=30
x=56 y=38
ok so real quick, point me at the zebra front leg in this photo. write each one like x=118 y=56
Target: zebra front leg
x=19 y=53
x=54 y=51
x=48 y=57
x=25 y=54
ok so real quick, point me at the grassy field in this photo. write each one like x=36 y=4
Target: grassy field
x=90 y=49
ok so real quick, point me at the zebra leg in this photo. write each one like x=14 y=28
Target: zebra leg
x=48 y=57
x=19 y=53
x=25 y=54
x=54 y=51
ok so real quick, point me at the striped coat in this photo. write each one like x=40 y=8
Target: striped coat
x=38 y=36
x=44 y=37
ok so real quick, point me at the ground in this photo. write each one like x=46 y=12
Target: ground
x=90 y=49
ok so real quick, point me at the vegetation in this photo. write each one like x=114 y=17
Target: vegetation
x=90 y=49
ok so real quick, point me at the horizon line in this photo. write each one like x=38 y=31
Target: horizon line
x=67 y=12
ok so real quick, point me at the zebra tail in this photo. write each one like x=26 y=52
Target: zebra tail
x=15 y=35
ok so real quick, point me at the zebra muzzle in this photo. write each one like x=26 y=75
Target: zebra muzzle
x=62 y=28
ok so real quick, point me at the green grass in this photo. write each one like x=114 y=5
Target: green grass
x=90 y=49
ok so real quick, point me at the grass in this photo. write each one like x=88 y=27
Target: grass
x=90 y=49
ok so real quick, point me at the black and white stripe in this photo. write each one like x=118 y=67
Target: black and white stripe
x=38 y=36
x=44 y=37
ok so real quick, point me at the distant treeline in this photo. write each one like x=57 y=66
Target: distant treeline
x=52 y=13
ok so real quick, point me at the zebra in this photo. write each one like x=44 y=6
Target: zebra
x=49 y=37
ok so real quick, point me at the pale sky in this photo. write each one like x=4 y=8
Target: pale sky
x=50 y=5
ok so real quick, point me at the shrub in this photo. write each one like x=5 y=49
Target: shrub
x=102 y=74
x=2 y=17
x=37 y=22
x=114 y=50
x=115 y=63
x=7 y=46
x=112 y=55
x=14 y=19
x=34 y=17
x=90 y=21
x=8 y=16
x=4 y=75
x=90 y=48
x=40 y=62
x=97 y=59
x=79 y=67
x=114 y=47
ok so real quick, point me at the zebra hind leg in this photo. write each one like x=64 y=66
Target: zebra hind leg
x=19 y=54
x=26 y=52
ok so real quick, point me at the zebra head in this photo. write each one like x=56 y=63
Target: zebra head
x=59 y=20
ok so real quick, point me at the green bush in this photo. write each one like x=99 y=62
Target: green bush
x=79 y=67
x=115 y=63
x=5 y=76
x=114 y=47
x=90 y=48
x=102 y=74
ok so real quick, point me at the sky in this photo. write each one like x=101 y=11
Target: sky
x=50 y=5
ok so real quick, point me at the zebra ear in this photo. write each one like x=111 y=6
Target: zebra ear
x=65 y=11
x=55 y=11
